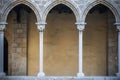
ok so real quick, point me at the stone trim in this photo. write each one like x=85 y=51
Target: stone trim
x=2 y=26
x=117 y=26
x=80 y=26
x=68 y=3
x=58 y=78
x=114 y=10
x=41 y=26
x=14 y=3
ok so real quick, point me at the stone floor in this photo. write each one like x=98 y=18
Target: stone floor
x=58 y=78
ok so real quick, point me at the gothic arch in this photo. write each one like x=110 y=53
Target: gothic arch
x=12 y=4
x=105 y=3
x=70 y=4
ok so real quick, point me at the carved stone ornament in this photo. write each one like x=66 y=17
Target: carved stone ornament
x=2 y=26
x=80 y=26
x=118 y=26
x=41 y=26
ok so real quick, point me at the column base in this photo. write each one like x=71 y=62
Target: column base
x=118 y=74
x=41 y=74
x=80 y=74
x=2 y=74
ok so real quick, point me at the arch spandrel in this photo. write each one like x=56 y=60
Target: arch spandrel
x=9 y=6
x=112 y=8
x=68 y=3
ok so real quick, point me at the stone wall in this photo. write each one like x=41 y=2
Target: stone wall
x=112 y=45
x=16 y=35
x=60 y=45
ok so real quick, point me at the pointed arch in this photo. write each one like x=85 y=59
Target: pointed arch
x=69 y=4
x=105 y=3
x=12 y=4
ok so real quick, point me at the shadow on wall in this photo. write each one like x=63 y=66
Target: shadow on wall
x=5 y=56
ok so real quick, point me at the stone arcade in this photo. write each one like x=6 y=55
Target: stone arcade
x=52 y=38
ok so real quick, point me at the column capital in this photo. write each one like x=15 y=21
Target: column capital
x=2 y=26
x=80 y=25
x=41 y=26
x=118 y=26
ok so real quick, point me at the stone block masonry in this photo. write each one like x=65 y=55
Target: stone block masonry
x=18 y=47
x=20 y=39
x=112 y=46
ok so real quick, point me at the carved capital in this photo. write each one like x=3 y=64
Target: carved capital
x=117 y=26
x=41 y=26
x=80 y=26
x=2 y=26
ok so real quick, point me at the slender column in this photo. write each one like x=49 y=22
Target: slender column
x=80 y=27
x=2 y=27
x=41 y=27
x=118 y=28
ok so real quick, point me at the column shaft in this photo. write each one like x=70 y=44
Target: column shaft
x=41 y=27
x=119 y=52
x=2 y=27
x=80 y=73
x=41 y=52
x=1 y=53
x=80 y=51
x=118 y=74
x=80 y=27
x=118 y=28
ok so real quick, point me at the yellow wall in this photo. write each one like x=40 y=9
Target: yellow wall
x=60 y=45
x=33 y=46
x=95 y=45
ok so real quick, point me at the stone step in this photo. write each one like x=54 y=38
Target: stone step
x=57 y=78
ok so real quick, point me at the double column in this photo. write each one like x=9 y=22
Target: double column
x=2 y=27
x=80 y=27
x=118 y=28
x=41 y=28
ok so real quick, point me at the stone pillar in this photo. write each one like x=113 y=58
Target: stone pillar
x=80 y=27
x=2 y=27
x=118 y=28
x=41 y=27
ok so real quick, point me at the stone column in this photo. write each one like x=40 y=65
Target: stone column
x=80 y=27
x=41 y=27
x=118 y=28
x=2 y=27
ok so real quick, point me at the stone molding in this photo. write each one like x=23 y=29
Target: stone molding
x=59 y=78
x=42 y=7
x=80 y=26
x=12 y=3
x=108 y=3
x=2 y=26
x=41 y=26
x=117 y=26
x=70 y=3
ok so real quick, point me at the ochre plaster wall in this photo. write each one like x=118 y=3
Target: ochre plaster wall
x=60 y=45
x=33 y=46
x=95 y=45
